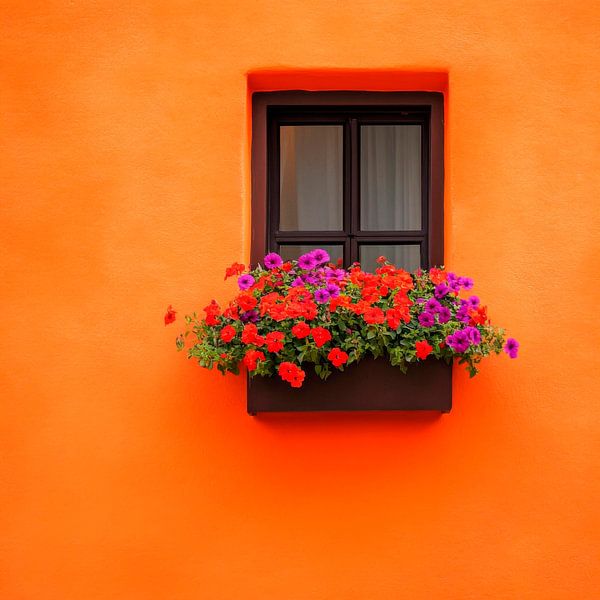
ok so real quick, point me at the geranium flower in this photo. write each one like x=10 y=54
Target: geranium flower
x=337 y=357
x=511 y=347
x=170 y=315
x=297 y=378
x=423 y=349
x=320 y=335
x=273 y=260
x=245 y=281
x=274 y=341
x=307 y=262
x=374 y=315
x=235 y=269
x=212 y=312
x=437 y=276
x=251 y=359
x=246 y=301
x=301 y=330
x=426 y=319
x=227 y=333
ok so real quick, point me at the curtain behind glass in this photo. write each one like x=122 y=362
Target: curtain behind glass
x=311 y=178
x=390 y=177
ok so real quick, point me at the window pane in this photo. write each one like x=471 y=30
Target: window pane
x=406 y=256
x=311 y=178
x=390 y=177
x=336 y=252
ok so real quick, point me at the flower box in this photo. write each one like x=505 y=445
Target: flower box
x=372 y=384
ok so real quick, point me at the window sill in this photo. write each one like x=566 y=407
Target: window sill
x=369 y=385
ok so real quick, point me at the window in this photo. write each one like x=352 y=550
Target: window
x=357 y=173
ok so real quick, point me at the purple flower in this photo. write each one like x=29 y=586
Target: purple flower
x=320 y=256
x=307 y=262
x=466 y=283
x=420 y=301
x=250 y=316
x=511 y=347
x=311 y=279
x=426 y=319
x=273 y=260
x=245 y=281
x=432 y=305
x=321 y=295
x=473 y=301
x=451 y=277
x=297 y=282
x=454 y=285
x=458 y=341
x=462 y=314
x=444 y=314
x=441 y=290
x=473 y=334
x=334 y=290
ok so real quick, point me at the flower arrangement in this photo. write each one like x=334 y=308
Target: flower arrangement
x=288 y=315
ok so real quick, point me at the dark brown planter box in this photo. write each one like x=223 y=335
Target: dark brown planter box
x=369 y=385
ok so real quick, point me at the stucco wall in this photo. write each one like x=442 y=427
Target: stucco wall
x=126 y=471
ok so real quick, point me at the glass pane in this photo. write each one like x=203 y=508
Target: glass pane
x=390 y=177
x=406 y=256
x=336 y=252
x=311 y=178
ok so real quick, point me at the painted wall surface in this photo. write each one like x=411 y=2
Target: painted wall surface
x=126 y=471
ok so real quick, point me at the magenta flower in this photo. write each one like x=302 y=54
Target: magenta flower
x=432 y=305
x=426 y=319
x=473 y=301
x=473 y=334
x=458 y=341
x=307 y=262
x=321 y=295
x=444 y=314
x=334 y=290
x=441 y=290
x=297 y=282
x=511 y=347
x=250 y=316
x=466 y=283
x=273 y=260
x=320 y=256
x=245 y=281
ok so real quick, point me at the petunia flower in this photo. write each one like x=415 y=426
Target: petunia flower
x=307 y=261
x=273 y=260
x=441 y=290
x=320 y=256
x=444 y=314
x=321 y=296
x=473 y=301
x=426 y=319
x=245 y=281
x=511 y=347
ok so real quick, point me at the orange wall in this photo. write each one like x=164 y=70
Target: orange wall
x=126 y=471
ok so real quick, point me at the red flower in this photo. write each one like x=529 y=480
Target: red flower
x=298 y=378
x=478 y=316
x=235 y=269
x=437 y=276
x=227 y=333
x=381 y=260
x=275 y=341
x=170 y=315
x=320 y=335
x=286 y=266
x=250 y=335
x=300 y=330
x=212 y=312
x=251 y=359
x=423 y=349
x=246 y=301
x=373 y=315
x=338 y=357
x=291 y=373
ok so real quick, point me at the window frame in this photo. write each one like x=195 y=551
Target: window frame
x=272 y=109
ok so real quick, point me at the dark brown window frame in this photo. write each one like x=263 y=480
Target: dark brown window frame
x=271 y=109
